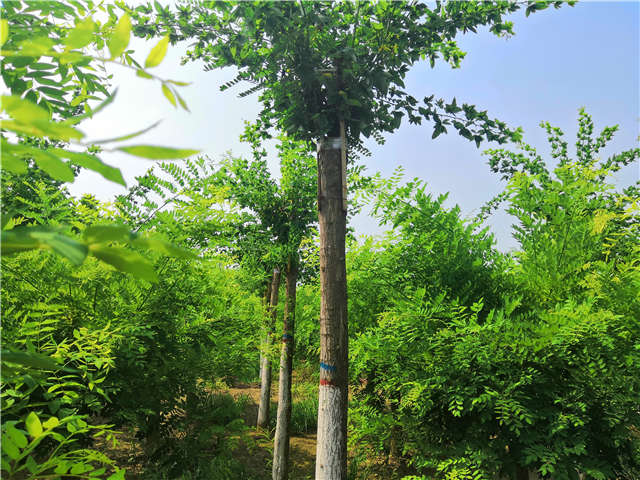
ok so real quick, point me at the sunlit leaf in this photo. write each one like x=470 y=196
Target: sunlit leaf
x=4 y=31
x=157 y=53
x=34 y=427
x=42 y=129
x=141 y=73
x=183 y=104
x=181 y=84
x=169 y=94
x=120 y=38
x=36 y=47
x=23 y=110
x=81 y=35
x=157 y=153
x=52 y=422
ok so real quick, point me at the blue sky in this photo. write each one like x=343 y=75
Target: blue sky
x=558 y=61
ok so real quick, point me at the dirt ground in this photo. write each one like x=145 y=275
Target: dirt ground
x=255 y=453
x=303 y=447
x=257 y=457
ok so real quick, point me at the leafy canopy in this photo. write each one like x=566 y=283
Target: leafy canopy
x=317 y=62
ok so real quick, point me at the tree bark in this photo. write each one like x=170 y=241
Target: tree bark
x=280 y=469
x=331 y=453
x=267 y=303
x=265 y=368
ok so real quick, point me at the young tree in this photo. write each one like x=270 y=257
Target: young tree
x=547 y=381
x=564 y=214
x=331 y=73
x=283 y=214
x=297 y=187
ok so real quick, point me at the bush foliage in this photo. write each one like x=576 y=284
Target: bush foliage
x=466 y=362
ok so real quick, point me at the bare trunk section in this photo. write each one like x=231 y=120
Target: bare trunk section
x=265 y=367
x=280 y=469
x=331 y=453
x=267 y=303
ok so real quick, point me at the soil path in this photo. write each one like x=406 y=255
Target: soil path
x=259 y=460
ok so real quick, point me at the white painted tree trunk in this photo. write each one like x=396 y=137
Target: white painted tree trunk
x=265 y=367
x=331 y=452
x=280 y=470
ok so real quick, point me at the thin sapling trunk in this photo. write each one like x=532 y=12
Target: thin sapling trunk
x=280 y=469
x=265 y=368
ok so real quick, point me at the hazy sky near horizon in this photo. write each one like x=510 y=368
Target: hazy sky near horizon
x=557 y=62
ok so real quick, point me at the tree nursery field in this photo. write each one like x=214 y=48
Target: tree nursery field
x=222 y=319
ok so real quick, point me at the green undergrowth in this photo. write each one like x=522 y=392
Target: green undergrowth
x=304 y=412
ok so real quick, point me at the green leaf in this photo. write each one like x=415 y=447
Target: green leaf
x=34 y=427
x=52 y=92
x=125 y=261
x=13 y=163
x=62 y=467
x=30 y=359
x=73 y=56
x=161 y=246
x=120 y=38
x=10 y=448
x=92 y=162
x=141 y=73
x=19 y=438
x=49 y=162
x=29 y=238
x=81 y=35
x=119 y=475
x=169 y=94
x=157 y=153
x=128 y=136
x=23 y=110
x=80 y=468
x=42 y=66
x=4 y=31
x=183 y=104
x=438 y=130
x=157 y=53
x=52 y=422
x=106 y=233
x=36 y=47
x=42 y=129
x=31 y=464
x=55 y=167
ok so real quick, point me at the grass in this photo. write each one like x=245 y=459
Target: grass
x=304 y=412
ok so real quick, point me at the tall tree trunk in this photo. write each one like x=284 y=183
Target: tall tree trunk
x=331 y=453
x=265 y=368
x=267 y=306
x=281 y=442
